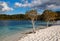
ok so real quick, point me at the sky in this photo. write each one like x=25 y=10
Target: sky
x=21 y=6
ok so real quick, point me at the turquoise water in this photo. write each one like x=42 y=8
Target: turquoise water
x=10 y=27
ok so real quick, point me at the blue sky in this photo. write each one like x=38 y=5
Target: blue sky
x=21 y=6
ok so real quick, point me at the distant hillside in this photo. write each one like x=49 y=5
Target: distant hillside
x=23 y=17
x=12 y=17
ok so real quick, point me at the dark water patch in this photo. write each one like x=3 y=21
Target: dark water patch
x=13 y=22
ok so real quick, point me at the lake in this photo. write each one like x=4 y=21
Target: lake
x=10 y=27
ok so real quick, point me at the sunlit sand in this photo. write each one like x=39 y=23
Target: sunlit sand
x=49 y=34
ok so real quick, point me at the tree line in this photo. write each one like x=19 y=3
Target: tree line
x=46 y=13
x=33 y=15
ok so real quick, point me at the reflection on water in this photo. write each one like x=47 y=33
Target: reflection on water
x=9 y=27
x=16 y=22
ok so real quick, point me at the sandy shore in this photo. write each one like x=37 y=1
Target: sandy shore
x=49 y=34
x=17 y=36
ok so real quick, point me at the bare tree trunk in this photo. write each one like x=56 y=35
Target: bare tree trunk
x=33 y=23
x=47 y=23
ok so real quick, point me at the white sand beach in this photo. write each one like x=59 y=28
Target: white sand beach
x=49 y=34
x=18 y=35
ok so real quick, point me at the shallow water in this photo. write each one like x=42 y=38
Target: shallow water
x=10 y=27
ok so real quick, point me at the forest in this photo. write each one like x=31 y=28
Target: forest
x=23 y=17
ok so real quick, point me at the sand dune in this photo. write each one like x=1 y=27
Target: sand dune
x=49 y=34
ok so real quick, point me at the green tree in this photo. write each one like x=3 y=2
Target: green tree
x=32 y=15
x=58 y=15
x=49 y=15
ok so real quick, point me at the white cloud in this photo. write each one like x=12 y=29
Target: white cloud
x=36 y=2
x=40 y=4
x=18 y=4
x=27 y=4
x=52 y=6
x=22 y=5
x=47 y=4
x=5 y=6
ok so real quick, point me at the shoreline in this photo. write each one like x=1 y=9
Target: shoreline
x=49 y=33
x=19 y=35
